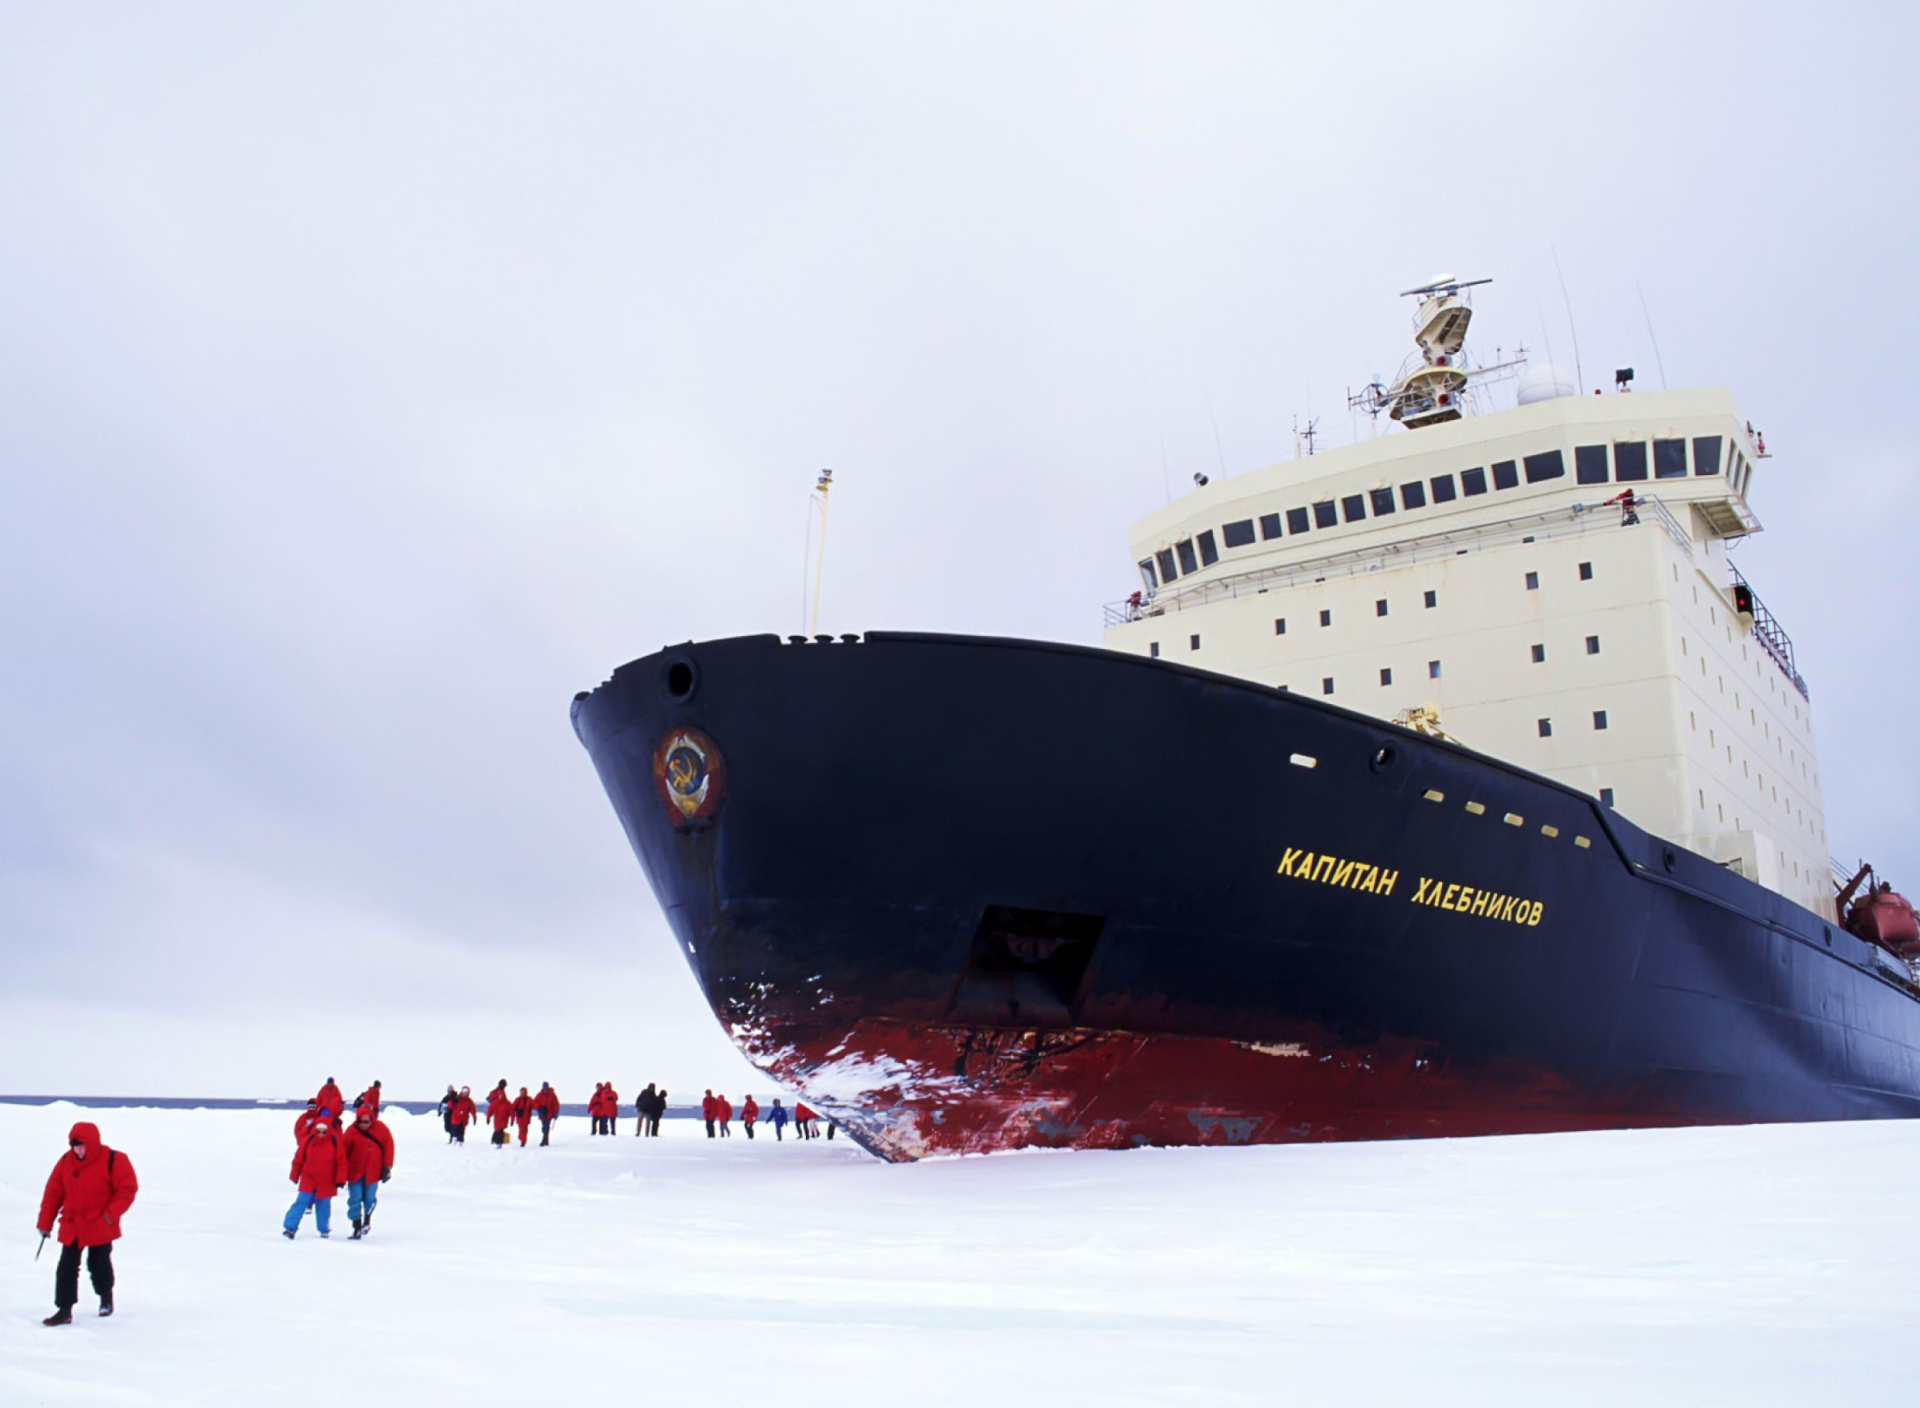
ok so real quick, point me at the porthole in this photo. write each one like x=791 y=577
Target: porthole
x=678 y=680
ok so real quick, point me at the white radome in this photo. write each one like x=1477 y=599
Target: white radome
x=1544 y=382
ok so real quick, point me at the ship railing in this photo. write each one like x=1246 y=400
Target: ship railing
x=1772 y=637
x=1432 y=547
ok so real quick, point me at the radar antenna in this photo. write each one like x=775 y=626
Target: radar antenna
x=1433 y=390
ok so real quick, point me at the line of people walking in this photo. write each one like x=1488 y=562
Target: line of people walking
x=331 y=1153
x=717 y=1111
x=504 y=1112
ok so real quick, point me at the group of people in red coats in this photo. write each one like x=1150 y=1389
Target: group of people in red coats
x=717 y=1111
x=332 y=1153
x=504 y=1112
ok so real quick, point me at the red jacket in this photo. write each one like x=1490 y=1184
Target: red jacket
x=749 y=1112
x=463 y=1112
x=303 y=1126
x=88 y=1193
x=331 y=1099
x=725 y=1107
x=370 y=1100
x=709 y=1108
x=547 y=1103
x=523 y=1108
x=320 y=1167
x=499 y=1113
x=597 y=1102
x=612 y=1107
x=801 y=1112
x=368 y=1151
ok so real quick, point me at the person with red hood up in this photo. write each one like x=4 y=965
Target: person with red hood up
x=369 y=1099
x=596 y=1106
x=802 y=1120
x=547 y=1106
x=319 y=1168
x=749 y=1112
x=709 y=1111
x=612 y=1099
x=499 y=1111
x=330 y=1100
x=90 y=1188
x=461 y=1114
x=723 y=1111
x=523 y=1114
x=367 y=1147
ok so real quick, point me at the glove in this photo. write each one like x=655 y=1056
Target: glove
x=385 y=1174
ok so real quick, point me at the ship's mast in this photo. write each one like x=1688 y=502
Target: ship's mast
x=1435 y=389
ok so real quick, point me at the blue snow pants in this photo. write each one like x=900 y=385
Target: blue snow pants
x=361 y=1197
x=322 y=1212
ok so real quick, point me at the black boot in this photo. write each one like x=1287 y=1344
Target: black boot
x=357 y=1233
x=62 y=1316
x=287 y=1232
x=106 y=1303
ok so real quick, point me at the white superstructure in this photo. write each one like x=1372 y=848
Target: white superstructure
x=1476 y=567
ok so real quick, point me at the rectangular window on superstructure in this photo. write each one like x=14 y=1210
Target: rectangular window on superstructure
x=1386 y=677
x=1539 y=654
x=1413 y=495
x=1433 y=669
x=1432 y=599
x=1629 y=460
x=1473 y=481
x=1153 y=649
x=1590 y=464
x=1325 y=515
x=1326 y=618
x=1443 y=491
x=1599 y=718
x=1165 y=558
x=1593 y=645
x=1706 y=454
x=1270 y=526
x=1326 y=685
x=1506 y=475
x=1545 y=466
x=1669 y=459
x=1533 y=581
x=1237 y=535
x=1279 y=625
x=1146 y=575
x=1380 y=607
x=1209 y=554
x=1606 y=796
x=1189 y=564
x=1545 y=726
x=1586 y=571
x=1193 y=642
x=1354 y=507
x=1297 y=521
x=1382 y=502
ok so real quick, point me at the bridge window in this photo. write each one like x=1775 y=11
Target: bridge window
x=1188 y=563
x=1382 y=502
x=1706 y=454
x=1146 y=575
x=1473 y=481
x=1413 y=495
x=1324 y=515
x=1270 y=525
x=1443 y=492
x=1590 y=464
x=1550 y=466
x=1209 y=554
x=1506 y=475
x=1629 y=460
x=1670 y=459
x=1237 y=535
x=1354 y=507
x=1297 y=520
x=1165 y=558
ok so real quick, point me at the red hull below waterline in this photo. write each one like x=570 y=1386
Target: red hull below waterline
x=927 y=1089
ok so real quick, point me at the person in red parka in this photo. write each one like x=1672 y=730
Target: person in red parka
x=367 y=1147
x=90 y=1188
x=319 y=1168
x=613 y=1109
x=546 y=1105
x=749 y=1112
x=723 y=1111
x=369 y=1099
x=330 y=1100
x=461 y=1114
x=709 y=1111
x=802 y=1120
x=523 y=1114
x=303 y=1126
x=499 y=1111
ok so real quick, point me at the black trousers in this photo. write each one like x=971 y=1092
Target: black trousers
x=653 y=1126
x=709 y=1129
x=66 y=1276
x=546 y=1123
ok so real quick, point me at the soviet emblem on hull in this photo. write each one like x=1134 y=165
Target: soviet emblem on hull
x=689 y=776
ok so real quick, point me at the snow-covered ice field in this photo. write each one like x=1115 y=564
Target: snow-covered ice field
x=1738 y=1266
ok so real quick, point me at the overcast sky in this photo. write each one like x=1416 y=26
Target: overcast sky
x=373 y=378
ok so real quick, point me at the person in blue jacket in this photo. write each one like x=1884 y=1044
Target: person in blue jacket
x=777 y=1117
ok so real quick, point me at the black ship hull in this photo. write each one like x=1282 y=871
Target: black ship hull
x=967 y=895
